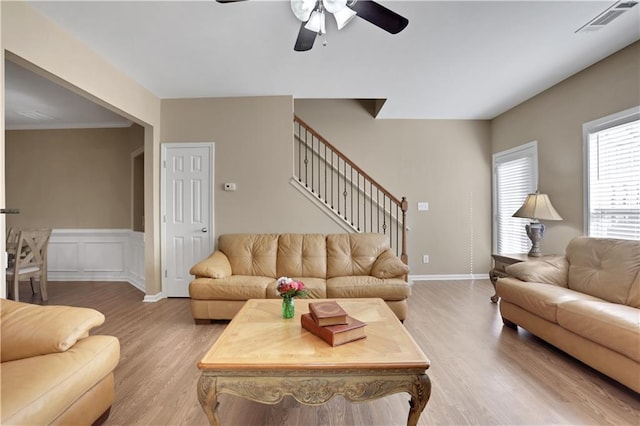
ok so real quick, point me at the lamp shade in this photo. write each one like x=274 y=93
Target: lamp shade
x=537 y=206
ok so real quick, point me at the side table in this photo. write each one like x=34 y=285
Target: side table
x=500 y=262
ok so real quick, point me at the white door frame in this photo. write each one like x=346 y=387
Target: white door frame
x=163 y=197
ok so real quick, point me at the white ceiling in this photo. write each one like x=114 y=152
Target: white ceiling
x=455 y=60
x=33 y=102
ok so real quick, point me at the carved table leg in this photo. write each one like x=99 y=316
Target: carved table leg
x=419 y=398
x=208 y=398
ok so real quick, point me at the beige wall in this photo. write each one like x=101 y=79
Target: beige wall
x=36 y=42
x=443 y=162
x=253 y=148
x=78 y=178
x=555 y=118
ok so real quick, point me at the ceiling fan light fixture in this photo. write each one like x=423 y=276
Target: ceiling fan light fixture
x=344 y=16
x=316 y=22
x=332 y=6
x=303 y=8
x=312 y=15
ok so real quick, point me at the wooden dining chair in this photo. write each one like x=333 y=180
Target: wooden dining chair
x=12 y=235
x=12 y=244
x=30 y=261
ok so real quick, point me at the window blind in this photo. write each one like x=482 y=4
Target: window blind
x=614 y=182
x=515 y=177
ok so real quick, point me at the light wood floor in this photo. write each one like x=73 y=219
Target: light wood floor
x=482 y=373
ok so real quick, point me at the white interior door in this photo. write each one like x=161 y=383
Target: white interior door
x=187 y=212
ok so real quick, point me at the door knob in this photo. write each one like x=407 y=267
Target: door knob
x=204 y=229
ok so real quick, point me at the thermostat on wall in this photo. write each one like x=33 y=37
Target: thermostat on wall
x=229 y=186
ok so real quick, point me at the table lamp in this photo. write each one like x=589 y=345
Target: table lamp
x=536 y=206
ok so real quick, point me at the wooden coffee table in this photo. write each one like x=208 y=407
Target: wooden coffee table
x=262 y=357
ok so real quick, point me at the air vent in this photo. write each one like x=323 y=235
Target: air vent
x=607 y=16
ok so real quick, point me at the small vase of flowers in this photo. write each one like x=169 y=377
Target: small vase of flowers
x=288 y=289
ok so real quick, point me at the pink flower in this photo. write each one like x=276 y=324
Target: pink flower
x=287 y=287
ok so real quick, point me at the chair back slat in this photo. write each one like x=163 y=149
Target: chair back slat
x=32 y=247
x=13 y=235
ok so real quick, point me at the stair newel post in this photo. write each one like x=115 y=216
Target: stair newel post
x=404 y=205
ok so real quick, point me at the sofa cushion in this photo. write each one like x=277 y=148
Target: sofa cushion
x=634 y=293
x=368 y=286
x=316 y=287
x=387 y=265
x=609 y=324
x=353 y=254
x=215 y=266
x=539 y=299
x=30 y=330
x=302 y=255
x=602 y=267
x=38 y=389
x=549 y=270
x=235 y=287
x=250 y=254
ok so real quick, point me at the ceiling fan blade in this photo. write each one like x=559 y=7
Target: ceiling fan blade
x=380 y=16
x=229 y=1
x=305 y=39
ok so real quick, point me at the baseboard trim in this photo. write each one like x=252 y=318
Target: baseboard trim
x=152 y=298
x=136 y=282
x=451 y=277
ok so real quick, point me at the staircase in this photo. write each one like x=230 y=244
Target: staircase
x=344 y=191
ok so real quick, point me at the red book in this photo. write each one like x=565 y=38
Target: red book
x=327 y=313
x=335 y=334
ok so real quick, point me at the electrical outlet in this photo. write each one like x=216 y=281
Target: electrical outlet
x=425 y=258
x=423 y=206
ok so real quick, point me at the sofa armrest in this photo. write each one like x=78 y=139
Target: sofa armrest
x=215 y=266
x=388 y=265
x=32 y=330
x=553 y=270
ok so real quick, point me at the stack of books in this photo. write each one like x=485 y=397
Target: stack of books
x=332 y=324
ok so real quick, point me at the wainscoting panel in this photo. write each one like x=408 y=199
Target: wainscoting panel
x=96 y=255
x=63 y=256
x=104 y=256
x=135 y=259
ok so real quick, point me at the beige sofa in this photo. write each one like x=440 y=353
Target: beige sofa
x=53 y=372
x=246 y=266
x=586 y=303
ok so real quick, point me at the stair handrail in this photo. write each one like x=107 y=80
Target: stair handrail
x=402 y=203
x=348 y=160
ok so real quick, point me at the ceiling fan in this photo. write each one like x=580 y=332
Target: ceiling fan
x=312 y=15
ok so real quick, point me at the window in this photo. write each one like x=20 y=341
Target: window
x=515 y=175
x=612 y=176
